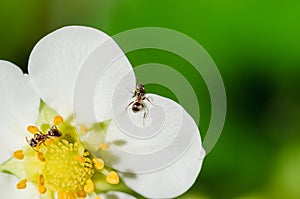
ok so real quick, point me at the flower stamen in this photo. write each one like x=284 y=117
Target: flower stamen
x=62 y=163
x=49 y=141
x=40 y=156
x=58 y=120
x=22 y=184
x=69 y=195
x=98 y=163
x=104 y=146
x=67 y=168
x=42 y=189
x=113 y=178
x=41 y=180
x=19 y=154
x=89 y=187
x=79 y=158
x=62 y=194
x=32 y=129
x=83 y=129
x=81 y=194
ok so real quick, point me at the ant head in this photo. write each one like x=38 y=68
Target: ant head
x=140 y=87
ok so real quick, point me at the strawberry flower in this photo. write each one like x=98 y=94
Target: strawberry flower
x=58 y=162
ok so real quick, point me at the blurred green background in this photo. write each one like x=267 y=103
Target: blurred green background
x=256 y=46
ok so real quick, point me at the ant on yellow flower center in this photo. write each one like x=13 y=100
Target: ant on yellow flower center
x=66 y=167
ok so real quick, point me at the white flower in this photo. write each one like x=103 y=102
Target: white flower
x=54 y=67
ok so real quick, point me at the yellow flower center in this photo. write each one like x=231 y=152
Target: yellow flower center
x=63 y=170
x=58 y=162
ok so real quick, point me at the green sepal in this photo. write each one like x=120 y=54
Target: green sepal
x=102 y=186
x=14 y=167
x=104 y=125
x=48 y=195
x=46 y=115
x=99 y=127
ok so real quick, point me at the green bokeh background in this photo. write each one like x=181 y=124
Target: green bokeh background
x=256 y=46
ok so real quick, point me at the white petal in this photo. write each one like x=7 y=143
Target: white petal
x=8 y=188
x=168 y=132
x=116 y=195
x=171 y=181
x=19 y=108
x=104 y=68
x=55 y=61
x=150 y=134
x=164 y=157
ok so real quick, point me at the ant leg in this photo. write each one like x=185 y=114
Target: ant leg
x=145 y=114
x=148 y=99
x=40 y=132
x=45 y=145
x=132 y=92
x=37 y=148
x=129 y=105
x=27 y=140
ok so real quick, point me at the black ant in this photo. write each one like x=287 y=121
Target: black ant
x=138 y=104
x=40 y=138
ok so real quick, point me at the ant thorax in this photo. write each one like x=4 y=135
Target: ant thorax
x=140 y=91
